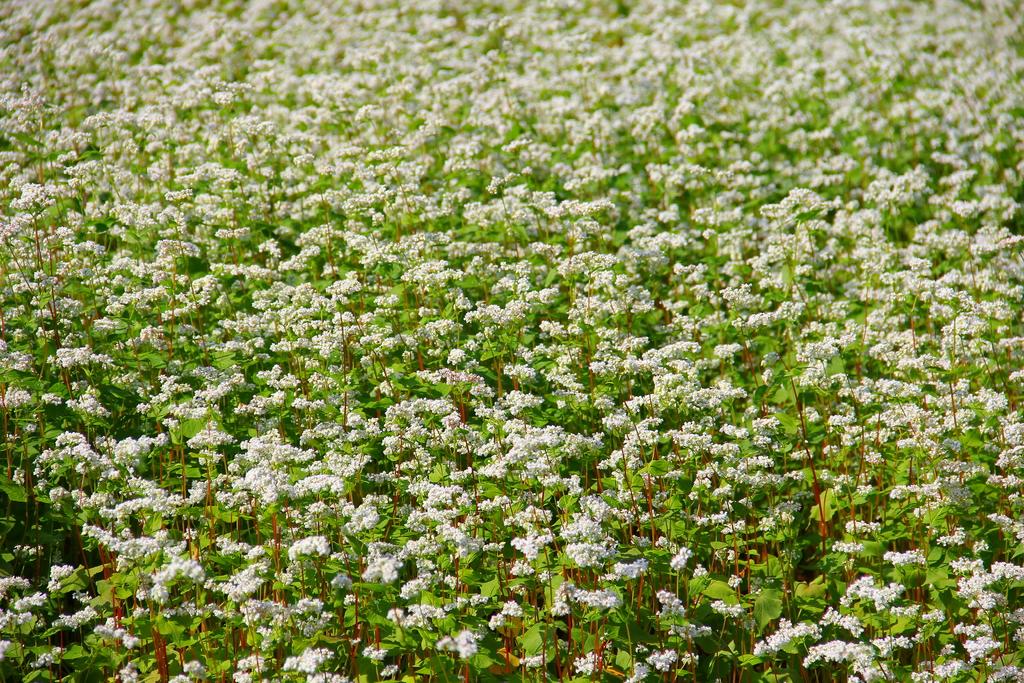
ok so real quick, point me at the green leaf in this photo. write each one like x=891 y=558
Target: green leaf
x=223 y=360
x=750 y=660
x=720 y=590
x=190 y=428
x=827 y=507
x=659 y=468
x=13 y=491
x=767 y=606
x=788 y=422
x=533 y=640
x=76 y=651
x=27 y=139
x=814 y=590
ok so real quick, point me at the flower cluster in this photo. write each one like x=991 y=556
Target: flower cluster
x=508 y=340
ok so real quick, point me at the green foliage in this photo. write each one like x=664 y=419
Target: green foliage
x=588 y=341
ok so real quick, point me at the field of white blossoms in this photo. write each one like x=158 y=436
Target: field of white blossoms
x=583 y=340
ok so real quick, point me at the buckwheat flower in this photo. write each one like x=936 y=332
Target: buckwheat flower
x=531 y=545
x=588 y=554
x=839 y=651
x=898 y=559
x=364 y=518
x=886 y=645
x=629 y=570
x=421 y=616
x=798 y=202
x=847 y=621
x=129 y=673
x=9 y=583
x=858 y=526
x=5 y=645
x=533 y=662
x=186 y=568
x=1007 y=673
x=463 y=643
x=679 y=560
x=88 y=404
x=69 y=358
x=560 y=607
x=950 y=668
x=604 y=599
x=850 y=548
x=663 y=660
x=671 y=605
x=309 y=661
x=29 y=602
x=195 y=669
x=979 y=648
x=522 y=568
x=78 y=619
x=864 y=588
x=375 y=654
x=58 y=573
x=786 y=633
x=512 y=609
x=315 y=546
x=382 y=569
x=640 y=673
x=972 y=629
x=210 y=438
x=586 y=665
x=46 y=659
x=108 y=630
x=728 y=610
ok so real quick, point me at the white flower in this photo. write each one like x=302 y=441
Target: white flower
x=383 y=569
x=679 y=560
x=464 y=643
x=316 y=546
x=784 y=635
x=375 y=653
x=662 y=660
x=630 y=570
x=585 y=665
x=903 y=559
x=309 y=661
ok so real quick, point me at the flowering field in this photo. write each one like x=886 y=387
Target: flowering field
x=511 y=340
